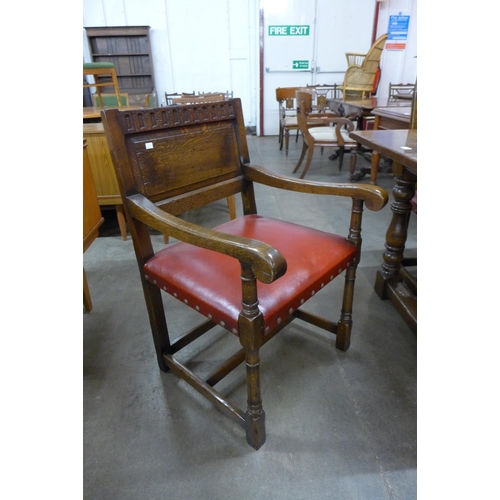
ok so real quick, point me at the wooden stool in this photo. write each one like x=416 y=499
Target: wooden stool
x=98 y=70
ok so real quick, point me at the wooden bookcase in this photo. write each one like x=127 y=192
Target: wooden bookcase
x=129 y=49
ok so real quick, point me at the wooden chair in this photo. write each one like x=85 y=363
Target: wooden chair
x=109 y=100
x=200 y=98
x=169 y=97
x=250 y=275
x=287 y=108
x=322 y=92
x=332 y=131
x=104 y=74
x=150 y=101
x=359 y=79
x=287 y=115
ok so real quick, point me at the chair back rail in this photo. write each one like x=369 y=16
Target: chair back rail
x=109 y=99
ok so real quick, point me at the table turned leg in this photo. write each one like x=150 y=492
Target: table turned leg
x=375 y=160
x=396 y=235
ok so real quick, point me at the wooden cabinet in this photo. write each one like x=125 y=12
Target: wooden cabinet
x=129 y=49
x=92 y=218
x=101 y=165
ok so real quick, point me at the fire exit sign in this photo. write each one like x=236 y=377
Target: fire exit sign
x=291 y=30
x=300 y=64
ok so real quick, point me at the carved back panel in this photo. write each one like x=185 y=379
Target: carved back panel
x=179 y=152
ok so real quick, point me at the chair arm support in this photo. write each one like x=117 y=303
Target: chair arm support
x=267 y=263
x=339 y=121
x=320 y=118
x=374 y=197
x=326 y=114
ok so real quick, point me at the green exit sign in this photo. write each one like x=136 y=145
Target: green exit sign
x=293 y=30
x=300 y=64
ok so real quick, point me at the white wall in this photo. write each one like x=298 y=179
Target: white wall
x=335 y=27
x=213 y=45
x=197 y=45
x=398 y=66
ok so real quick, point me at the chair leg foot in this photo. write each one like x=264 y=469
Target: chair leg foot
x=256 y=429
x=343 y=340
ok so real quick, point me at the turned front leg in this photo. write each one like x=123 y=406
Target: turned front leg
x=251 y=326
x=375 y=160
x=255 y=415
x=344 y=326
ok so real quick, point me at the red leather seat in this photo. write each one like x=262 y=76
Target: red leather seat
x=210 y=282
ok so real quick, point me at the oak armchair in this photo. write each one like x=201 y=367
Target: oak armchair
x=249 y=275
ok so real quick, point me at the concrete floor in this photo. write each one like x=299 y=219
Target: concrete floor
x=339 y=425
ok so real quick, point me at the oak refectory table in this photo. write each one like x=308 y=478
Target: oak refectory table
x=393 y=280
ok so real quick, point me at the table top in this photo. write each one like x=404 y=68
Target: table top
x=94 y=112
x=370 y=103
x=399 y=113
x=399 y=145
x=408 y=97
x=93 y=128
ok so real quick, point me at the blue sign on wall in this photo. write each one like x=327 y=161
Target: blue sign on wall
x=398 y=27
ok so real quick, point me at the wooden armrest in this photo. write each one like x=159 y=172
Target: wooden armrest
x=311 y=121
x=338 y=121
x=374 y=197
x=267 y=263
x=311 y=117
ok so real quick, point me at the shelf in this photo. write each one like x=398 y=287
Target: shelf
x=136 y=75
x=129 y=49
x=124 y=54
